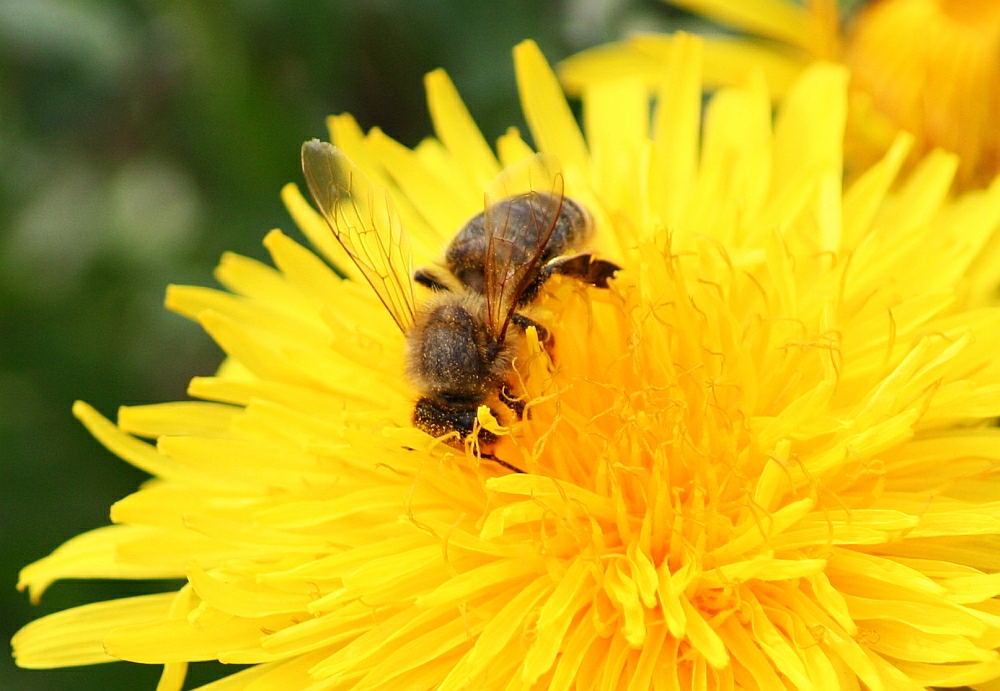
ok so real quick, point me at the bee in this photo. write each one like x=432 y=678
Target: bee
x=460 y=347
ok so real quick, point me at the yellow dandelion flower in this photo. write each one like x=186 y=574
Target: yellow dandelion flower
x=927 y=67
x=763 y=459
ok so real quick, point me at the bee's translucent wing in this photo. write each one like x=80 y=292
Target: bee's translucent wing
x=522 y=206
x=363 y=218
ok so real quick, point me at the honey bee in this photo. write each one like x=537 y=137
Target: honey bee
x=460 y=346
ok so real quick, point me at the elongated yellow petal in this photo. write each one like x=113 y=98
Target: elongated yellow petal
x=511 y=148
x=554 y=619
x=616 y=122
x=545 y=108
x=496 y=635
x=180 y=640
x=458 y=131
x=804 y=144
x=90 y=555
x=776 y=19
x=176 y=418
x=674 y=130
x=725 y=62
x=777 y=648
x=257 y=281
x=138 y=453
x=246 y=600
x=865 y=196
x=76 y=636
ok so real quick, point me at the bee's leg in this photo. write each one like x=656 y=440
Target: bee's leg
x=523 y=322
x=583 y=267
x=505 y=464
x=511 y=401
x=428 y=278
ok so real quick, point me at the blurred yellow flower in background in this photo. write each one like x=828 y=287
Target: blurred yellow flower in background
x=764 y=459
x=927 y=67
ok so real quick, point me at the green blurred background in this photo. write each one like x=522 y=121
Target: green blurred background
x=139 y=139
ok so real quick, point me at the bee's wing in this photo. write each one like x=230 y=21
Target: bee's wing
x=508 y=269
x=364 y=220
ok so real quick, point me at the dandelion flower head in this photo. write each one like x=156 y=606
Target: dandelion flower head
x=927 y=67
x=763 y=459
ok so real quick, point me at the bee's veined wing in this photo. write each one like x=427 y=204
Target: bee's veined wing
x=522 y=206
x=363 y=218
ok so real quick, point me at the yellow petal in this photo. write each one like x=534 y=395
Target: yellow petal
x=496 y=635
x=182 y=417
x=862 y=200
x=545 y=108
x=778 y=19
x=906 y=643
x=90 y=555
x=554 y=619
x=616 y=117
x=243 y=600
x=675 y=131
x=804 y=144
x=139 y=454
x=181 y=641
x=76 y=636
x=458 y=131
x=252 y=279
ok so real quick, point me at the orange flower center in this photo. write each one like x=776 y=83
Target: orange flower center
x=972 y=12
x=931 y=67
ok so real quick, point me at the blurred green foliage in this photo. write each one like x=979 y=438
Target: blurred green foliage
x=139 y=139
